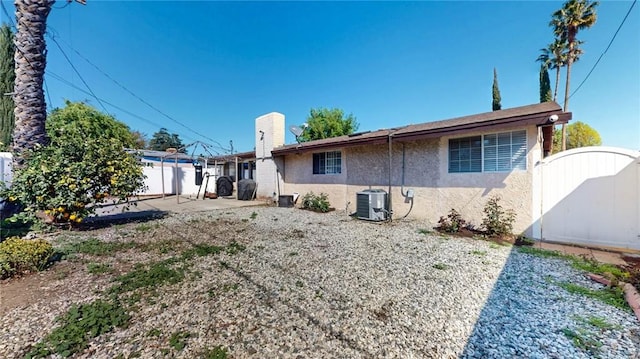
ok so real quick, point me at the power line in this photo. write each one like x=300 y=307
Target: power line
x=63 y=6
x=78 y=73
x=61 y=79
x=138 y=97
x=605 y=50
x=90 y=91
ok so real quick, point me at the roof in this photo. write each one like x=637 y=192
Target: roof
x=249 y=155
x=161 y=154
x=537 y=114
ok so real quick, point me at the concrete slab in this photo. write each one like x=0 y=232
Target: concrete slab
x=186 y=204
x=150 y=207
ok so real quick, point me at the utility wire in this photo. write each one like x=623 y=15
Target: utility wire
x=140 y=98
x=605 y=50
x=90 y=91
x=78 y=73
x=63 y=6
x=61 y=79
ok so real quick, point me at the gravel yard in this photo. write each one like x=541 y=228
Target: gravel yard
x=299 y=284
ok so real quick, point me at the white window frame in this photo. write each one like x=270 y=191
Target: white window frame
x=329 y=164
x=517 y=161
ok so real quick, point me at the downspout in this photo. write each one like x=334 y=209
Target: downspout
x=402 y=184
x=389 y=198
x=409 y=193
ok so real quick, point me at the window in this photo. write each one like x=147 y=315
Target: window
x=498 y=152
x=327 y=163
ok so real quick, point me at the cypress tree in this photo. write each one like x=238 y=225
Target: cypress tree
x=7 y=78
x=496 y=92
x=545 y=85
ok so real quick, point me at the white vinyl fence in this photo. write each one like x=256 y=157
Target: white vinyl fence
x=589 y=196
x=186 y=176
x=5 y=167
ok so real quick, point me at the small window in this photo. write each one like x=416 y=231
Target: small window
x=327 y=163
x=465 y=154
x=497 y=152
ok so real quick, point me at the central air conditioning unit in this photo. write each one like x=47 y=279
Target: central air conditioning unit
x=371 y=204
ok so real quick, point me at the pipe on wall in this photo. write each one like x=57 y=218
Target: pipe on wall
x=389 y=199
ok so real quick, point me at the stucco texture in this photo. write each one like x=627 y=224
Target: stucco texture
x=436 y=191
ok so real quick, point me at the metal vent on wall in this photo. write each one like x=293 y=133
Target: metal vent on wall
x=371 y=204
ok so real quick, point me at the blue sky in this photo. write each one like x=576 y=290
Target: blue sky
x=213 y=67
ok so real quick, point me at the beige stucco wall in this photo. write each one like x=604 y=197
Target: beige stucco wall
x=426 y=172
x=269 y=133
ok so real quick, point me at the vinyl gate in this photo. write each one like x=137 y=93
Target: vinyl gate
x=589 y=196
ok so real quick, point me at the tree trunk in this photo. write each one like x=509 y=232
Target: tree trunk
x=555 y=91
x=566 y=94
x=566 y=88
x=30 y=61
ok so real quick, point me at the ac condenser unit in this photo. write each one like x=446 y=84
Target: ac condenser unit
x=371 y=204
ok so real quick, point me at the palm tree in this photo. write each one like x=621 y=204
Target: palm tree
x=575 y=15
x=554 y=57
x=31 y=59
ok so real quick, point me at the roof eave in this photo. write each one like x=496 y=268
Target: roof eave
x=539 y=119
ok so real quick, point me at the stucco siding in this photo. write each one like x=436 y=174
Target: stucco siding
x=436 y=191
x=469 y=192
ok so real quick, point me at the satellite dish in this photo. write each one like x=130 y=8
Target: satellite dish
x=297 y=131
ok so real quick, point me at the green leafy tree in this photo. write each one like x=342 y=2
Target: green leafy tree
x=80 y=168
x=162 y=140
x=496 y=103
x=81 y=118
x=579 y=134
x=31 y=60
x=545 y=85
x=139 y=140
x=7 y=79
x=327 y=123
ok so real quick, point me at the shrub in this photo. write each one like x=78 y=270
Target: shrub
x=23 y=255
x=452 y=223
x=314 y=202
x=497 y=220
x=83 y=166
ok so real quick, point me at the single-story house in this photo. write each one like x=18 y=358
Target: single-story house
x=456 y=163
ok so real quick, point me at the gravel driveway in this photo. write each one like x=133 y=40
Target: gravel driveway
x=314 y=285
